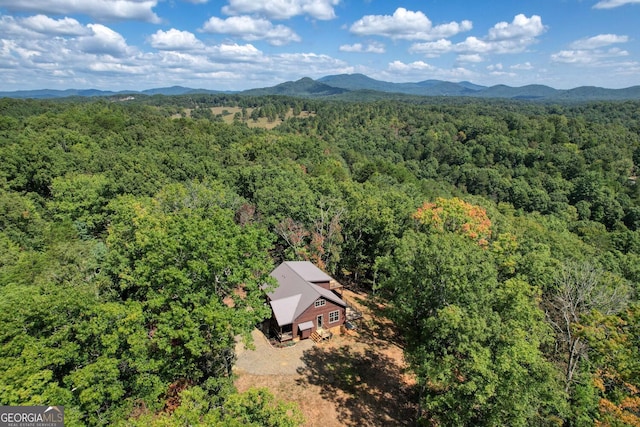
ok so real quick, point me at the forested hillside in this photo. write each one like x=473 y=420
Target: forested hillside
x=504 y=236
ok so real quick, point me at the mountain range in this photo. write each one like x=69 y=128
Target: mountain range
x=359 y=86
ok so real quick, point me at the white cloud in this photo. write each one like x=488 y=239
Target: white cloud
x=432 y=49
x=598 y=41
x=101 y=58
x=407 y=25
x=503 y=38
x=497 y=73
x=251 y=29
x=169 y=61
x=174 y=40
x=100 y=10
x=419 y=70
x=450 y=29
x=211 y=57
x=7 y=59
x=106 y=66
x=520 y=28
x=572 y=56
x=526 y=66
x=594 y=57
x=497 y=70
x=476 y=45
x=103 y=41
x=474 y=57
x=373 y=47
x=356 y=47
x=589 y=51
x=40 y=27
x=610 y=4
x=320 y=9
x=57 y=27
x=12 y=29
x=235 y=52
x=19 y=53
x=283 y=9
x=413 y=66
x=309 y=59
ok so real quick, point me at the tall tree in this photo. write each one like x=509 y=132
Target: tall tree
x=581 y=288
x=195 y=271
x=614 y=354
x=473 y=341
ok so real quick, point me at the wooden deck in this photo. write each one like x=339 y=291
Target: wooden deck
x=334 y=284
x=352 y=312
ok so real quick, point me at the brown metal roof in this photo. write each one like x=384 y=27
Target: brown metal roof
x=295 y=292
x=284 y=309
x=308 y=271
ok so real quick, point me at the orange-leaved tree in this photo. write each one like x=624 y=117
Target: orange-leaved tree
x=457 y=216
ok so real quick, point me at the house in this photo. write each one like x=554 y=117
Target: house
x=305 y=302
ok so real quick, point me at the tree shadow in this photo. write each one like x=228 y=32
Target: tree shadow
x=376 y=329
x=367 y=387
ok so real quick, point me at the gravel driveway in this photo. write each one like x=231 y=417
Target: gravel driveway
x=267 y=360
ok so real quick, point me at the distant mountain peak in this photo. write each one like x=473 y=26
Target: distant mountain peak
x=304 y=87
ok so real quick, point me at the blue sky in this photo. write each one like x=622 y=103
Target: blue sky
x=241 y=44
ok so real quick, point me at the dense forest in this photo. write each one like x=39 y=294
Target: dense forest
x=504 y=237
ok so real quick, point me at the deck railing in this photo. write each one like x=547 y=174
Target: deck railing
x=282 y=336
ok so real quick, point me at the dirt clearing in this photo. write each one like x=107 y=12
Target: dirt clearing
x=356 y=379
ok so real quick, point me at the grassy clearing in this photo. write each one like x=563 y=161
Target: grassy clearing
x=228 y=113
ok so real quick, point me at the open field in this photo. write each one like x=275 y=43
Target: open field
x=356 y=379
x=227 y=114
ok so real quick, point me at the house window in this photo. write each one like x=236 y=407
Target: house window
x=334 y=316
x=320 y=303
